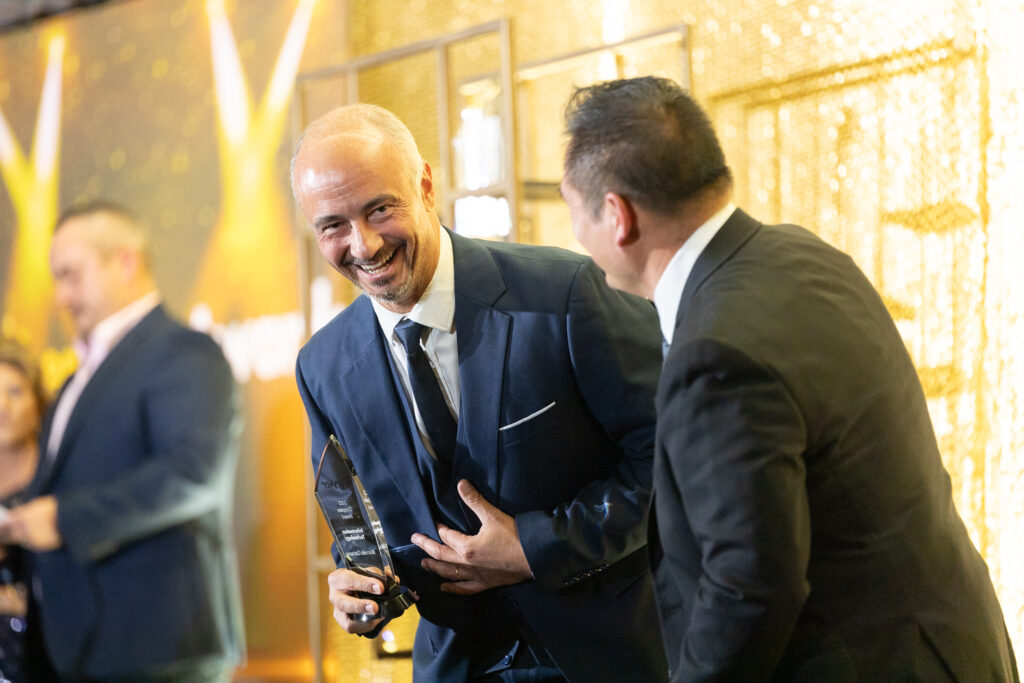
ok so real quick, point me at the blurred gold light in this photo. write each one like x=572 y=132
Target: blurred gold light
x=32 y=184
x=895 y=131
x=249 y=265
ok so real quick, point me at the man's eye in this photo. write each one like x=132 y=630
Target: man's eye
x=382 y=210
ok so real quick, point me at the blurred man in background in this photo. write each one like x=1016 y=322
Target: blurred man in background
x=129 y=513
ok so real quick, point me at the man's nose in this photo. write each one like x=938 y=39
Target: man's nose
x=365 y=241
x=62 y=296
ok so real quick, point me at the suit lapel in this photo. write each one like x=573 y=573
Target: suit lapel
x=102 y=382
x=483 y=334
x=733 y=234
x=42 y=477
x=377 y=407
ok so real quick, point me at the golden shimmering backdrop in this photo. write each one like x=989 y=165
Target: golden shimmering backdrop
x=893 y=129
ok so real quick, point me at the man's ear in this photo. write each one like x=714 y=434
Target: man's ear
x=128 y=262
x=619 y=210
x=427 y=185
x=132 y=272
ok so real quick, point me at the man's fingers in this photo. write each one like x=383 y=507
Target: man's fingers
x=34 y=524
x=344 y=585
x=349 y=625
x=474 y=501
x=349 y=581
x=15 y=531
x=346 y=605
x=456 y=541
x=435 y=549
x=447 y=570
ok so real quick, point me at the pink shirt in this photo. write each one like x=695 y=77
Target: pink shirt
x=91 y=353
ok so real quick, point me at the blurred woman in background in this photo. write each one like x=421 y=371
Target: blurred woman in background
x=22 y=404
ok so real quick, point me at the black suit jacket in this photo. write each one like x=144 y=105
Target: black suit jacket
x=540 y=336
x=803 y=522
x=143 y=478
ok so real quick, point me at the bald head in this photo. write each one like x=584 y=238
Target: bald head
x=357 y=125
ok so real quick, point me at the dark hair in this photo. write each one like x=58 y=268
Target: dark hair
x=643 y=138
x=17 y=356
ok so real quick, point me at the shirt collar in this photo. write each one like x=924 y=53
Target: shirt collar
x=669 y=289
x=436 y=307
x=109 y=331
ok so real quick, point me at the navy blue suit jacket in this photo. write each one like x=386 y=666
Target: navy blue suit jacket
x=536 y=327
x=803 y=525
x=143 y=476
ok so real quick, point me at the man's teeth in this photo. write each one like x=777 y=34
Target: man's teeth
x=374 y=267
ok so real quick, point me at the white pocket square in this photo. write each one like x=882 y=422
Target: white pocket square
x=528 y=417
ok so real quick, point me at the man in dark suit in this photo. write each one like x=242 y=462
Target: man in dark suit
x=130 y=516
x=523 y=531
x=802 y=523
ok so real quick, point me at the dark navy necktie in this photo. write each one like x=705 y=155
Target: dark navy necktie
x=426 y=390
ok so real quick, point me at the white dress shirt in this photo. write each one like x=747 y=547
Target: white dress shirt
x=669 y=289
x=435 y=310
x=91 y=353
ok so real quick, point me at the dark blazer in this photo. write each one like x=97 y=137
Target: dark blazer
x=143 y=479
x=803 y=525
x=536 y=327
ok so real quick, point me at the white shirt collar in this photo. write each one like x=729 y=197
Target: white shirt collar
x=669 y=289
x=109 y=331
x=436 y=307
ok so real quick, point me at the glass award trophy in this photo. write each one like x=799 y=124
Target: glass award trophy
x=357 y=530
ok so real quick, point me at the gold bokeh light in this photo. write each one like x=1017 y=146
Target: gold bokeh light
x=249 y=267
x=32 y=184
